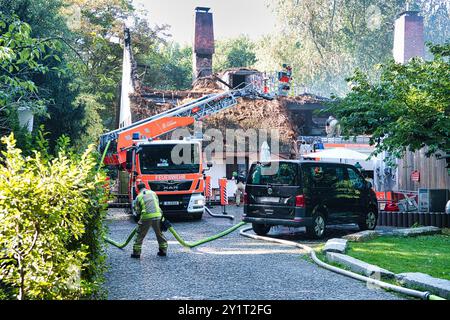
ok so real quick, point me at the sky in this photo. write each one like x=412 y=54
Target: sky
x=231 y=17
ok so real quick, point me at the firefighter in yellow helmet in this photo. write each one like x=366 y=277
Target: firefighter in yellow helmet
x=147 y=204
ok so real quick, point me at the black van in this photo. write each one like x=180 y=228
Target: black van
x=308 y=193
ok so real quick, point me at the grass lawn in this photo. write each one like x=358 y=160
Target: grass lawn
x=426 y=254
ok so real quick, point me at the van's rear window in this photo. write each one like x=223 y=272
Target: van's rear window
x=275 y=173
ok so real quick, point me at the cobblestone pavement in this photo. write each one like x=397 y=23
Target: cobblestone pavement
x=232 y=267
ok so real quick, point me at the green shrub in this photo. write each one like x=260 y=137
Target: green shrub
x=51 y=212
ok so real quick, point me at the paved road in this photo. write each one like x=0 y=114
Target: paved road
x=232 y=267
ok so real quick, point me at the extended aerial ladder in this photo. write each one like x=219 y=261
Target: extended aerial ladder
x=120 y=140
x=141 y=150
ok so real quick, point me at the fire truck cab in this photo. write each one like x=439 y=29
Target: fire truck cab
x=173 y=169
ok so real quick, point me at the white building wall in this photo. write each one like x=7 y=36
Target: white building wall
x=218 y=171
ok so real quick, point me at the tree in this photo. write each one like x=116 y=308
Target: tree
x=325 y=40
x=56 y=84
x=406 y=107
x=96 y=34
x=22 y=59
x=234 y=53
x=82 y=82
x=166 y=66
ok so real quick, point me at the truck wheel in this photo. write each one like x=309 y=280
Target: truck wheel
x=317 y=230
x=261 y=229
x=368 y=220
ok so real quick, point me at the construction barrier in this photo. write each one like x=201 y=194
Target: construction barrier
x=397 y=200
x=395 y=195
x=223 y=191
x=208 y=187
x=386 y=195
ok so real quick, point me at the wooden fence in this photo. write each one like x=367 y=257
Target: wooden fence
x=432 y=172
x=409 y=219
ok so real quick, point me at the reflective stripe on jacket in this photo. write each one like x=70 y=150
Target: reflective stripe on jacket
x=148 y=205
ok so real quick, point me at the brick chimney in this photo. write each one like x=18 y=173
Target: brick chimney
x=408 y=37
x=203 y=43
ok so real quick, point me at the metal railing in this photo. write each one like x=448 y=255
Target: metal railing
x=270 y=80
x=350 y=140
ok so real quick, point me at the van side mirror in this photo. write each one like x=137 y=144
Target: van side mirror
x=209 y=164
x=129 y=163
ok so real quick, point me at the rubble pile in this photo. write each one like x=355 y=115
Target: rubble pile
x=257 y=114
x=247 y=114
x=206 y=84
x=305 y=99
x=142 y=108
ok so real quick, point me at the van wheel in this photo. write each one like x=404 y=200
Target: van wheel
x=369 y=220
x=261 y=229
x=317 y=230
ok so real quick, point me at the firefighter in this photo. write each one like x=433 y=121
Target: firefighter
x=147 y=205
x=240 y=180
x=333 y=128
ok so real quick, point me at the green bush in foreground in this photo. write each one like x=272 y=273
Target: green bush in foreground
x=51 y=212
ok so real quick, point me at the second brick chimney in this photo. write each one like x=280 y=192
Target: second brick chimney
x=203 y=43
x=408 y=37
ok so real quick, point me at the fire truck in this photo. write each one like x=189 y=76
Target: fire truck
x=139 y=150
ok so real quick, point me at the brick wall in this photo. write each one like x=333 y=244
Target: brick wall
x=408 y=37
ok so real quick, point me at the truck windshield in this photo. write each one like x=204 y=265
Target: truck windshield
x=283 y=173
x=169 y=159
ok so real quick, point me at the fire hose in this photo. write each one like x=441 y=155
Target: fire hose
x=212 y=238
x=177 y=236
x=425 y=295
x=218 y=215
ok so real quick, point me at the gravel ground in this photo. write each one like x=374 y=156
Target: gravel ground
x=232 y=267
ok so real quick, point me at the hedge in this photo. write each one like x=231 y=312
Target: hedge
x=51 y=213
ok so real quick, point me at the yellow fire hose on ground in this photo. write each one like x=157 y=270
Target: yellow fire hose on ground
x=177 y=236
x=124 y=244
x=212 y=238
